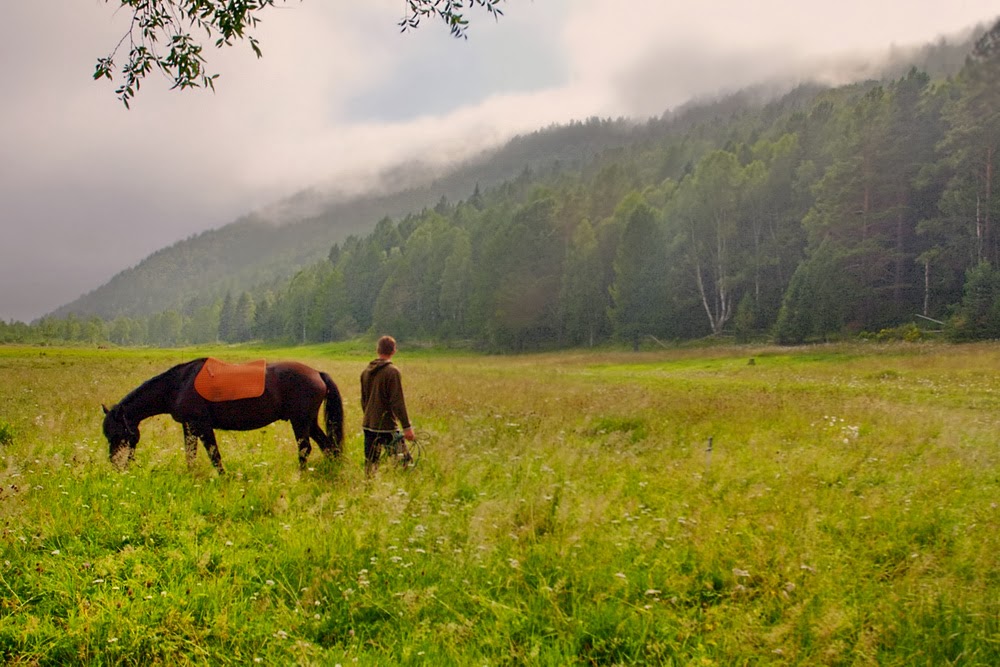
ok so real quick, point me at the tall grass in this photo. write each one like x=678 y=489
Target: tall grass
x=566 y=511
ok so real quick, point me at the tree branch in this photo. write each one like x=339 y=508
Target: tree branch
x=160 y=35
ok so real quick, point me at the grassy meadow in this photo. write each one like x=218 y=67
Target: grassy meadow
x=566 y=510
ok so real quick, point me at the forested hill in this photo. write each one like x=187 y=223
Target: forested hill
x=825 y=212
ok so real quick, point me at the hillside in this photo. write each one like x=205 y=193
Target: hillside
x=255 y=250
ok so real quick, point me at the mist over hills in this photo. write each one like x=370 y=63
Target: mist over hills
x=272 y=244
x=268 y=246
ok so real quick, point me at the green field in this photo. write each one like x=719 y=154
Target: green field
x=565 y=511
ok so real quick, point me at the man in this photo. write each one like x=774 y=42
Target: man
x=382 y=402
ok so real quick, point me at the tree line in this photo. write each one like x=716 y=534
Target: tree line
x=819 y=215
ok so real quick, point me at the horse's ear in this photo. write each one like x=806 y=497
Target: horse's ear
x=105 y=408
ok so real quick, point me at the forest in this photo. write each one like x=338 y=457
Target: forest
x=830 y=212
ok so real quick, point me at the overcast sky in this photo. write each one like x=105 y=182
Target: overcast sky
x=88 y=188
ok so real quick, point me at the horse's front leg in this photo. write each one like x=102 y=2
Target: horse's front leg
x=190 y=445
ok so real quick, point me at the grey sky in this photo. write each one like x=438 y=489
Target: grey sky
x=88 y=189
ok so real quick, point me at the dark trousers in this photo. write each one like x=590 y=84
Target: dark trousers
x=374 y=442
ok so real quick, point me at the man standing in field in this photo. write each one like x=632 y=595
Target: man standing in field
x=382 y=402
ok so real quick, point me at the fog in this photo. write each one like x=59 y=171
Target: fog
x=88 y=188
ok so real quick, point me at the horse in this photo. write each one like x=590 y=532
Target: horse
x=291 y=391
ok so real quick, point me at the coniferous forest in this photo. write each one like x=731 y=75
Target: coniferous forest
x=826 y=213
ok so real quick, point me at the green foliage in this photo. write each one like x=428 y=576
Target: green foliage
x=583 y=297
x=978 y=316
x=640 y=292
x=449 y=11
x=909 y=333
x=7 y=434
x=819 y=298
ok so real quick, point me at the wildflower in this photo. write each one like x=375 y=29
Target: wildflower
x=620 y=575
x=55 y=552
x=737 y=572
x=269 y=582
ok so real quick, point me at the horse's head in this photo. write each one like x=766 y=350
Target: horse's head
x=122 y=436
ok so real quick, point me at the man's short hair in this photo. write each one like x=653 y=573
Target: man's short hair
x=386 y=345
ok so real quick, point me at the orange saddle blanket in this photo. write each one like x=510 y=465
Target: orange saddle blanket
x=219 y=381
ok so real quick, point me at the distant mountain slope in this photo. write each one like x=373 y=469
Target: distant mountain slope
x=254 y=250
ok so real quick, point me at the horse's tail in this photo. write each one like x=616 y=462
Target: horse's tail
x=334 y=411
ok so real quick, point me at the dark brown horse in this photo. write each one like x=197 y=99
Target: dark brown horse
x=292 y=391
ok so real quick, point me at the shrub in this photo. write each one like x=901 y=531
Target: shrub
x=6 y=433
x=910 y=333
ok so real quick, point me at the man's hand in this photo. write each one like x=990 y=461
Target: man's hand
x=408 y=434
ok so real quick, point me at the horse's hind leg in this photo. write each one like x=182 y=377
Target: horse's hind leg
x=325 y=442
x=301 y=431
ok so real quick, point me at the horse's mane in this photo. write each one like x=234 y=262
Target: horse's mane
x=171 y=375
